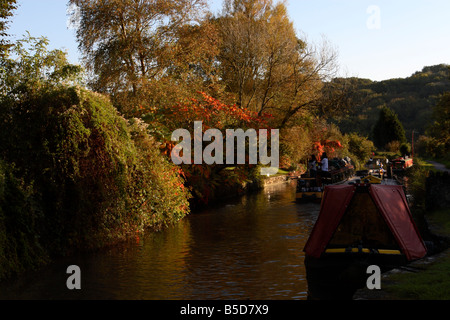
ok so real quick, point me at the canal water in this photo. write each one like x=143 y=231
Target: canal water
x=246 y=248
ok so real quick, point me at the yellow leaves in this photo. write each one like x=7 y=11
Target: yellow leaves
x=265 y=64
x=127 y=41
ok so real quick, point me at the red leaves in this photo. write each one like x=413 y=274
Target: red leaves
x=203 y=180
x=213 y=114
x=329 y=146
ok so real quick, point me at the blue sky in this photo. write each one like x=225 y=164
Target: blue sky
x=375 y=39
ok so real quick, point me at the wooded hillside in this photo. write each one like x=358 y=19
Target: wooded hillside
x=412 y=99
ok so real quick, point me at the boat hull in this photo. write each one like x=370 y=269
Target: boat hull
x=310 y=189
x=305 y=197
x=339 y=276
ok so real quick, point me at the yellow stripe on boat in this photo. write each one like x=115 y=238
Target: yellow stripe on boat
x=372 y=179
x=385 y=251
x=363 y=250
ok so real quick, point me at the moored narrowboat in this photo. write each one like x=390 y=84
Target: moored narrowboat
x=359 y=225
x=310 y=187
x=400 y=165
x=309 y=190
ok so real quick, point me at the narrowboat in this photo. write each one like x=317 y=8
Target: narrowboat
x=400 y=165
x=359 y=225
x=310 y=188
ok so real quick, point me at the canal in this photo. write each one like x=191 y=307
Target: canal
x=246 y=248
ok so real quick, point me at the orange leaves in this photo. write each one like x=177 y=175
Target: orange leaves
x=212 y=112
x=333 y=144
x=318 y=148
x=205 y=180
x=329 y=146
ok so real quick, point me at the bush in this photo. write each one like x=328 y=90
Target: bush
x=393 y=146
x=97 y=177
x=359 y=148
x=430 y=147
x=416 y=185
x=19 y=242
x=388 y=128
x=405 y=149
x=207 y=181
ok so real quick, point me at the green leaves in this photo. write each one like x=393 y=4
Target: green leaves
x=32 y=66
x=97 y=177
x=388 y=128
x=437 y=144
x=6 y=10
x=125 y=42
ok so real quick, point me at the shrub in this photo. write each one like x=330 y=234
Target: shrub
x=98 y=177
x=19 y=214
x=405 y=149
x=393 y=146
x=360 y=148
x=207 y=181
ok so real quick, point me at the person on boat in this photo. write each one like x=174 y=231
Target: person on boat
x=324 y=168
x=312 y=167
x=324 y=162
x=382 y=171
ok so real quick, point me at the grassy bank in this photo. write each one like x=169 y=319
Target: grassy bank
x=430 y=278
x=430 y=283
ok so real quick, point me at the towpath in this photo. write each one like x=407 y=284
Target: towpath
x=439 y=166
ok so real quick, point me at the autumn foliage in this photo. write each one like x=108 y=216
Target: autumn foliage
x=204 y=180
x=97 y=178
x=326 y=146
x=93 y=165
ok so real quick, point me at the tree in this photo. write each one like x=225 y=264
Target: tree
x=6 y=10
x=189 y=67
x=359 y=147
x=128 y=45
x=388 y=128
x=440 y=129
x=207 y=181
x=34 y=66
x=265 y=65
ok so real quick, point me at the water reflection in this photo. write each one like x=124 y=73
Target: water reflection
x=248 y=248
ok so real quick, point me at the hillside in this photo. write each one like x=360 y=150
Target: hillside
x=412 y=98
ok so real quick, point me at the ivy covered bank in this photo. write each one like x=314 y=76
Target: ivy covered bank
x=76 y=175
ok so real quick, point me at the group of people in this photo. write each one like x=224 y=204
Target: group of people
x=378 y=166
x=314 y=165
x=324 y=166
